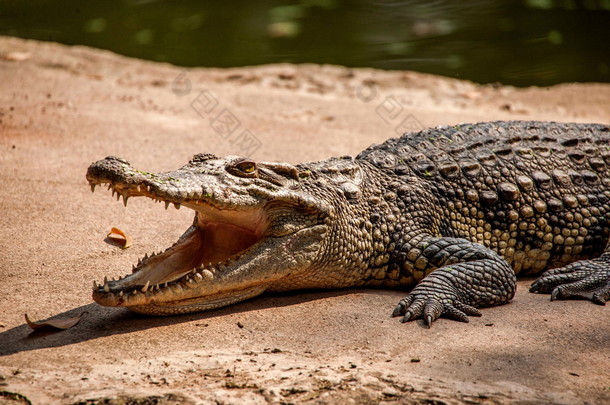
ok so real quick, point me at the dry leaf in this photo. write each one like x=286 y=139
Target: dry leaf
x=66 y=323
x=17 y=56
x=118 y=236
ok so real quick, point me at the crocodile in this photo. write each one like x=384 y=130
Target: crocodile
x=456 y=212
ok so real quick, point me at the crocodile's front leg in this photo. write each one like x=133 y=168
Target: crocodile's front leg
x=589 y=279
x=467 y=276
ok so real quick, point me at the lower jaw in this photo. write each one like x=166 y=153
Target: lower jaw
x=198 y=304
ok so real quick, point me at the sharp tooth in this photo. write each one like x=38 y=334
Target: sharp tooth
x=207 y=274
x=165 y=285
x=105 y=279
x=113 y=192
x=177 y=206
x=121 y=293
x=194 y=271
x=94 y=285
x=125 y=197
x=109 y=186
x=145 y=288
x=157 y=287
x=106 y=288
x=92 y=187
x=139 y=262
x=145 y=256
x=166 y=204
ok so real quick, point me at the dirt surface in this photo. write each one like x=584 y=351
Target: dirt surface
x=63 y=107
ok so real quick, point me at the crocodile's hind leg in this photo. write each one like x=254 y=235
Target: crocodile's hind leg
x=589 y=279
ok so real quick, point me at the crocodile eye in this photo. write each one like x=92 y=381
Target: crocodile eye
x=246 y=167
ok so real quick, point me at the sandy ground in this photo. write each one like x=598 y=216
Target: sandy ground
x=63 y=107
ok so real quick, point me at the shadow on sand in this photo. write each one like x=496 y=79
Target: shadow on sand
x=101 y=321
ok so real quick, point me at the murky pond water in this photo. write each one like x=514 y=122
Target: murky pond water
x=530 y=42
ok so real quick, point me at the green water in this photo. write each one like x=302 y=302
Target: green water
x=532 y=42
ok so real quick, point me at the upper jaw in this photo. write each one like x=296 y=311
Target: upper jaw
x=187 y=186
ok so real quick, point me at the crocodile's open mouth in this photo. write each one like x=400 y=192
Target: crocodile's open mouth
x=217 y=238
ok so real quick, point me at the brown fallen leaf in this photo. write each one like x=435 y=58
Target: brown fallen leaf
x=119 y=237
x=16 y=56
x=66 y=323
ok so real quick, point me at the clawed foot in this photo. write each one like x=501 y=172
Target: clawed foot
x=432 y=305
x=589 y=279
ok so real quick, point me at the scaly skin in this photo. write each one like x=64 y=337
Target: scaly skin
x=456 y=211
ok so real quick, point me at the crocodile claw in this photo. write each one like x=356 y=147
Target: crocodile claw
x=430 y=307
x=588 y=279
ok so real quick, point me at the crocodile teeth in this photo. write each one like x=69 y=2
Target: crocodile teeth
x=121 y=293
x=177 y=206
x=125 y=197
x=207 y=274
x=109 y=186
x=106 y=288
x=145 y=288
x=92 y=187
x=198 y=276
x=94 y=285
x=166 y=204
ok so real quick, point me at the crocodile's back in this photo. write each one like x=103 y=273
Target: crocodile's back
x=536 y=192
